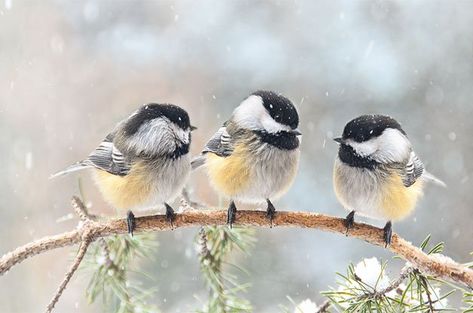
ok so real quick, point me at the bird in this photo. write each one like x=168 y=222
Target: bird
x=253 y=158
x=376 y=173
x=144 y=162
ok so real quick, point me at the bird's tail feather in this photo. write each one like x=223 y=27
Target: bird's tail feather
x=71 y=168
x=197 y=162
x=431 y=178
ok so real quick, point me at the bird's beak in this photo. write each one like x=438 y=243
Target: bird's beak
x=193 y=128
x=296 y=132
x=339 y=140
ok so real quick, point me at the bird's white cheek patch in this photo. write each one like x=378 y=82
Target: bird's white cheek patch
x=364 y=149
x=393 y=146
x=271 y=126
x=390 y=146
x=249 y=112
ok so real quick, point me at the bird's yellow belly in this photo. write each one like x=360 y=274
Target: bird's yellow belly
x=229 y=175
x=124 y=192
x=398 y=201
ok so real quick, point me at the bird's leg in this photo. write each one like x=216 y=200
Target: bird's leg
x=388 y=233
x=130 y=222
x=349 y=221
x=170 y=215
x=270 y=212
x=231 y=214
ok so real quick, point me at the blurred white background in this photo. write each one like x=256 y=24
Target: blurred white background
x=69 y=70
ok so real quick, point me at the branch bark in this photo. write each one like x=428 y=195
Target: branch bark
x=324 y=307
x=78 y=259
x=437 y=265
x=405 y=272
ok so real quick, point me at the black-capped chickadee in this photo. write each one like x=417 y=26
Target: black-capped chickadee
x=254 y=157
x=376 y=173
x=144 y=161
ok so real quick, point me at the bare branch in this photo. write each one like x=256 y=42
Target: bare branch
x=204 y=249
x=81 y=210
x=427 y=291
x=36 y=247
x=106 y=252
x=78 y=259
x=405 y=272
x=324 y=307
x=188 y=203
x=437 y=265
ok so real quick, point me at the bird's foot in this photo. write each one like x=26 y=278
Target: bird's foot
x=130 y=222
x=170 y=215
x=231 y=214
x=388 y=233
x=349 y=221
x=270 y=212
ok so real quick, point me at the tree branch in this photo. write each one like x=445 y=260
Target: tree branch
x=324 y=307
x=78 y=259
x=437 y=265
x=405 y=272
x=81 y=210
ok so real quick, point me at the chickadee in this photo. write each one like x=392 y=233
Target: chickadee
x=377 y=174
x=144 y=161
x=254 y=157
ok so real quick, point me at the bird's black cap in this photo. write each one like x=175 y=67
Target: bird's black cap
x=151 y=111
x=279 y=107
x=365 y=127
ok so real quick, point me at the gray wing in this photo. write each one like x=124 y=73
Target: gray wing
x=106 y=157
x=220 y=143
x=413 y=170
